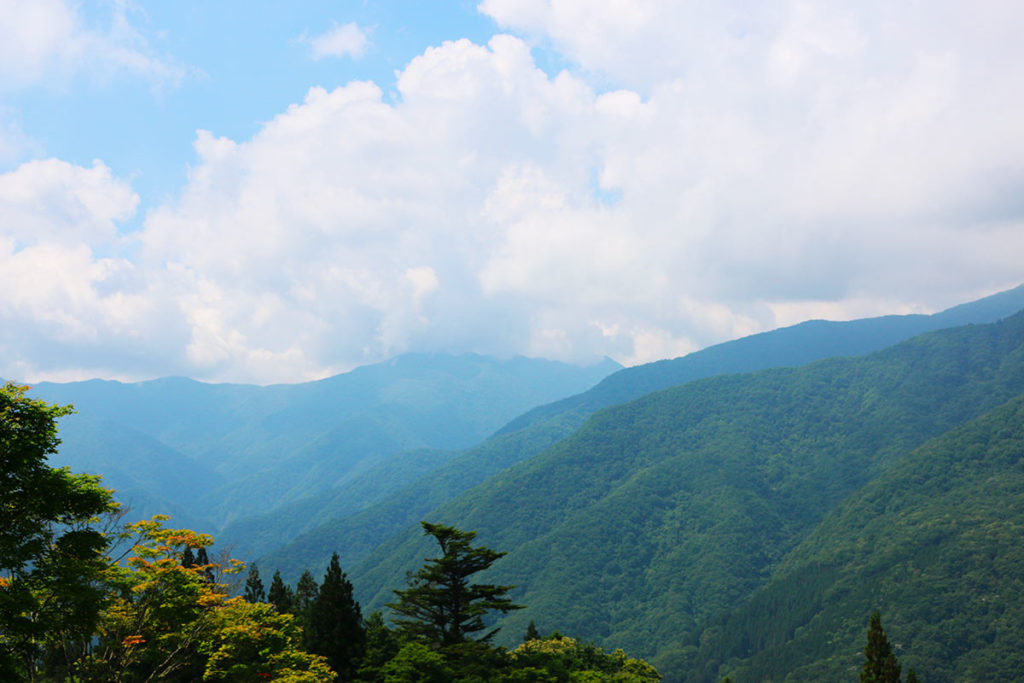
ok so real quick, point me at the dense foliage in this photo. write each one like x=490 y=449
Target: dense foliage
x=935 y=544
x=145 y=602
x=740 y=527
x=392 y=518
x=663 y=514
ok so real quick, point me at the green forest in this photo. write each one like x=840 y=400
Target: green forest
x=85 y=598
x=744 y=526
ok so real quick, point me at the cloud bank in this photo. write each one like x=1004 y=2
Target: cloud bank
x=695 y=175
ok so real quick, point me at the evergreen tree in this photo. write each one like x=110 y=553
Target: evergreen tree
x=912 y=676
x=188 y=558
x=306 y=592
x=880 y=665
x=202 y=559
x=335 y=628
x=381 y=647
x=280 y=595
x=531 y=632
x=254 y=591
x=440 y=605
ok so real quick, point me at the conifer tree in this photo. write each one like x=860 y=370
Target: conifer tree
x=202 y=559
x=880 y=665
x=188 y=558
x=335 y=628
x=306 y=592
x=440 y=605
x=381 y=647
x=280 y=595
x=531 y=632
x=254 y=591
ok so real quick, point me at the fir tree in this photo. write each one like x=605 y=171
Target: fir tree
x=188 y=558
x=440 y=605
x=280 y=595
x=880 y=665
x=531 y=632
x=335 y=627
x=254 y=591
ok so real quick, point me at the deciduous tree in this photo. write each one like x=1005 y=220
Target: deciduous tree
x=51 y=552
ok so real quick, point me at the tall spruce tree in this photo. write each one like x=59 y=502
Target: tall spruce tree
x=880 y=665
x=254 y=591
x=335 y=628
x=280 y=595
x=441 y=606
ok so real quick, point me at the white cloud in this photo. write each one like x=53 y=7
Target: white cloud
x=339 y=41
x=74 y=305
x=52 y=200
x=727 y=170
x=49 y=40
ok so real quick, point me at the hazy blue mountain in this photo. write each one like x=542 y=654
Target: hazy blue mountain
x=354 y=534
x=226 y=450
x=663 y=513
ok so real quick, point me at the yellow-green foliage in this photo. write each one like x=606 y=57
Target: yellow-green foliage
x=562 y=656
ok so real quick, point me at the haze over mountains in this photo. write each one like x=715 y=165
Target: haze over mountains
x=219 y=451
x=678 y=509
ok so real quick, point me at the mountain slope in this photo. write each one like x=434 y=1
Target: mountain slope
x=936 y=544
x=354 y=535
x=667 y=511
x=257 y=447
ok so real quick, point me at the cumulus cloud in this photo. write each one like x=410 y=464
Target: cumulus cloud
x=74 y=304
x=339 y=41
x=701 y=174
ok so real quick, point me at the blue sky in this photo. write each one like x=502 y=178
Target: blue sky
x=269 y=191
x=239 y=64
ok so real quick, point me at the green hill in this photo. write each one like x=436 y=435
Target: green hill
x=936 y=543
x=662 y=514
x=331 y=524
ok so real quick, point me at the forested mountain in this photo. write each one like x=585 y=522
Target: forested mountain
x=221 y=451
x=331 y=523
x=935 y=543
x=668 y=512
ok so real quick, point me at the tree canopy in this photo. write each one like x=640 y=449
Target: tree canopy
x=440 y=605
x=50 y=548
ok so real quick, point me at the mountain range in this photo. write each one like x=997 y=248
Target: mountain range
x=735 y=512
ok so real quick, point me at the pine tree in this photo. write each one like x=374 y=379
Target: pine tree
x=280 y=595
x=188 y=558
x=335 y=627
x=254 y=591
x=440 y=605
x=880 y=665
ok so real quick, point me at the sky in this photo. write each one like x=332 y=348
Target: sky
x=276 y=192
